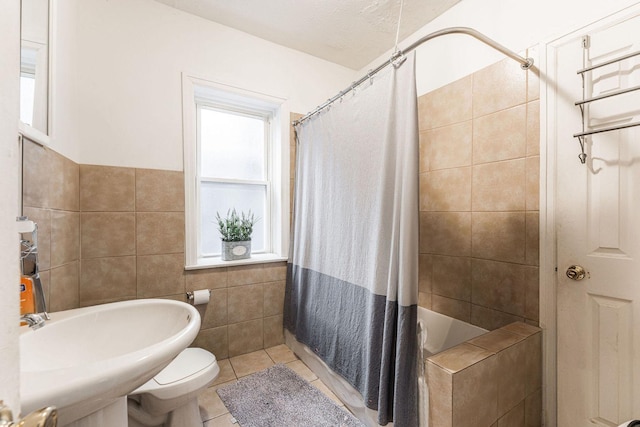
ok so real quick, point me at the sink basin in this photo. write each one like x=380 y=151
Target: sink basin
x=84 y=359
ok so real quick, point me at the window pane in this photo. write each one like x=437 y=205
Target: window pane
x=27 y=97
x=220 y=197
x=232 y=146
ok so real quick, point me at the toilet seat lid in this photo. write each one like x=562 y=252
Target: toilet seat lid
x=187 y=363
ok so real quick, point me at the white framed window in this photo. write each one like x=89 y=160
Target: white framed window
x=236 y=156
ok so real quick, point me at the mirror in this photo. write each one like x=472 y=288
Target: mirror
x=34 y=69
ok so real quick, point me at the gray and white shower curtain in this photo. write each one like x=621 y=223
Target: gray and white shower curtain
x=352 y=279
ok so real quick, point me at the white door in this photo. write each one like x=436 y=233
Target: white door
x=598 y=228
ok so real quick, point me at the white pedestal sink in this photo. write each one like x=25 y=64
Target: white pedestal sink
x=85 y=361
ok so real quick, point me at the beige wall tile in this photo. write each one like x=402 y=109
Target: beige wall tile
x=258 y=273
x=475 y=392
x=246 y=303
x=274 y=298
x=107 y=234
x=499 y=286
x=451 y=307
x=512 y=378
x=36 y=175
x=159 y=190
x=440 y=383
x=245 y=275
x=447 y=105
x=533 y=363
x=273 y=331
x=104 y=279
x=159 y=233
x=491 y=319
x=532 y=291
x=65 y=237
x=42 y=217
x=45 y=279
x=292 y=160
x=496 y=340
x=425 y=273
x=214 y=313
x=498 y=87
x=446 y=190
x=63 y=183
x=424 y=300
x=533 y=79
x=533 y=410
x=445 y=233
x=513 y=418
x=500 y=136
x=532 y=248
x=533 y=183
x=424 y=149
x=215 y=340
x=63 y=289
x=450 y=146
x=522 y=329
x=533 y=128
x=211 y=278
x=275 y=271
x=246 y=337
x=107 y=189
x=498 y=236
x=460 y=357
x=452 y=277
x=160 y=275
x=499 y=186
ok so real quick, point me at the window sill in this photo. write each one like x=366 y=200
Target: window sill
x=203 y=263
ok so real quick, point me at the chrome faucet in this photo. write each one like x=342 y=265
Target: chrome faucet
x=34 y=320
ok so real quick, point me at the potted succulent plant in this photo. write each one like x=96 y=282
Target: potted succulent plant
x=236 y=234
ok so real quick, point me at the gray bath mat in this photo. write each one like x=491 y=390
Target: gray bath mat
x=278 y=397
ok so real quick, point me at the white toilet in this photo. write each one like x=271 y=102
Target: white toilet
x=170 y=399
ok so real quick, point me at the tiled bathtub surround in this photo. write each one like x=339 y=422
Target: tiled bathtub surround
x=479 y=190
x=110 y=234
x=494 y=380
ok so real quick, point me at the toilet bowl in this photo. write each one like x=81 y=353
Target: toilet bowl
x=170 y=399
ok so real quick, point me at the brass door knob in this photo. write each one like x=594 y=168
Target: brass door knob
x=576 y=272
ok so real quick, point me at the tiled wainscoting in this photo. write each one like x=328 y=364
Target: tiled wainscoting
x=112 y=233
x=494 y=380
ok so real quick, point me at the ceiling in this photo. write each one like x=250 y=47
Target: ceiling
x=351 y=33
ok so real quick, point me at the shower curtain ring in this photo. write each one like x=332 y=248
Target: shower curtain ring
x=370 y=75
x=397 y=59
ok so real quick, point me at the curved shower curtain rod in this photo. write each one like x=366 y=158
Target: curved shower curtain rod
x=398 y=57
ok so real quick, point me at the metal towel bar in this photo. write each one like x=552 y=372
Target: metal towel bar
x=581 y=135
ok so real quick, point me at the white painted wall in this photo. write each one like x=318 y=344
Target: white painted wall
x=517 y=25
x=118 y=78
x=9 y=185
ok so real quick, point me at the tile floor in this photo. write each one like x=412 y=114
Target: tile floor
x=213 y=411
